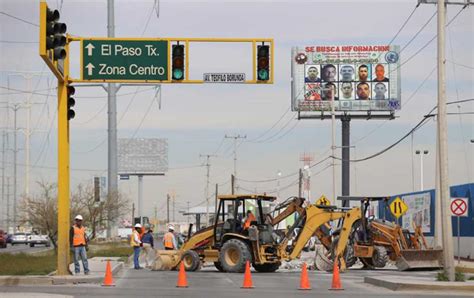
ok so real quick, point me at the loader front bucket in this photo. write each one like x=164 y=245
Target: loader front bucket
x=166 y=260
x=416 y=259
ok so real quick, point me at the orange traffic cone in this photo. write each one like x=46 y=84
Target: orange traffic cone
x=304 y=281
x=247 y=277
x=182 y=282
x=108 y=280
x=336 y=281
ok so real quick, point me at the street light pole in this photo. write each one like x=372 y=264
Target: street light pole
x=421 y=153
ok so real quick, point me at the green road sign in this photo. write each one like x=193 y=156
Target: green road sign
x=128 y=60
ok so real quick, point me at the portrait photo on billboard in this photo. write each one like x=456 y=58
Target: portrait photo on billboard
x=312 y=91
x=312 y=74
x=329 y=73
x=347 y=90
x=380 y=91
x=364 y=73
x=379 y=71
x=363 y=91
x=329 y=91
x=346 y=73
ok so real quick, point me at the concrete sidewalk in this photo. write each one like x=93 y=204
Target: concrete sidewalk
x=97 y=272
x=410 y=282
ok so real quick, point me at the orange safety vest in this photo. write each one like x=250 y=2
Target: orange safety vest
x=168 y=240
x=79 y=237
x=249 y=220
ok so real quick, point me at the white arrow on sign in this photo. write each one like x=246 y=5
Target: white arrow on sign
x=90 y=67
x=89 y=48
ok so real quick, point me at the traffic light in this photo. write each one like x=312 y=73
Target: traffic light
x=263 y=63
x=96 y=189
x=55 y=34
x=70 y=102
x=177 y=62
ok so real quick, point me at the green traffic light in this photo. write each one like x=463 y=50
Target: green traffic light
x=263 y=75
x=177 y=74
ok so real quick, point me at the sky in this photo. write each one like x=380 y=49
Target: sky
x=195 y=118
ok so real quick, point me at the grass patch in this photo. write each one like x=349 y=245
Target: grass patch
x=26 y=264
x=443 y=276
x=110 y=250
x=45 y=263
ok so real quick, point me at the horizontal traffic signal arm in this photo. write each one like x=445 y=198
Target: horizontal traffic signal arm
x=186 y=42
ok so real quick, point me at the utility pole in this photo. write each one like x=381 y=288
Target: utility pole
x=300 y=184
x=168 y=208
x=232 y=184
x=235 y=137
x=188 y=211
x=448 y=254
x=443 y=195
x=217 y=193
x=112 y=172
x=208 y=166
x=333 y=146
x=15 y=153
x=4 y=141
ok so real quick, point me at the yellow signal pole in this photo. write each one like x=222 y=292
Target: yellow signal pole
x=63 y=172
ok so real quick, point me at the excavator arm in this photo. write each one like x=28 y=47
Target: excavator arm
x=313 y=218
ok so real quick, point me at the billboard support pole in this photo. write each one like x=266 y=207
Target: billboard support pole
x=346 y=156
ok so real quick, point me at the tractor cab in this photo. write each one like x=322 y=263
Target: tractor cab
x=239 y=216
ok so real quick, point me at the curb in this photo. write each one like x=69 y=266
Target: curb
x=61 y=280
x=398 y=285
x=11 y=280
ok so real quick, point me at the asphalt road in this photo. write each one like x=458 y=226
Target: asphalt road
x=17 y=248
x=210 y=283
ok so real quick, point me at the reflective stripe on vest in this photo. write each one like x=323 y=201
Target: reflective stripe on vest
x=79 y=237
x=168 y=240
x=132 y=239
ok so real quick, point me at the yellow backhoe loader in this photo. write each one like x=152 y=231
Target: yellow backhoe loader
x=375 y=241
x=229 y=244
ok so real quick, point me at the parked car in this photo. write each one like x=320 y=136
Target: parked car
x=39 y=239
x=3 y=239
x=19 y=238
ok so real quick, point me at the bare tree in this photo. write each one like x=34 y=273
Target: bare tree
x=41 y=211
x=98 y=213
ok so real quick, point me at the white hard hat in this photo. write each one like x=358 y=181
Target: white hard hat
x=171 y=227
x=138 y=225
x=78 y=217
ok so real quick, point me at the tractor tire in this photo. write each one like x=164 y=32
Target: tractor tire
x=234 y=255
x=368 y=263
x=380 y=257
x=348 y=253
x=191 y=260
x=219 y=266
x=269 y=267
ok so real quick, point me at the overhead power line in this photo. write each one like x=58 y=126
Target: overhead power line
x=19 y=19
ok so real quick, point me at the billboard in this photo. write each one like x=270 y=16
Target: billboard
x=142 y=156
x=361 y=78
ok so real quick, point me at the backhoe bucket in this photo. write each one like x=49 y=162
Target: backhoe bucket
x=412 y=259
x=166 y=260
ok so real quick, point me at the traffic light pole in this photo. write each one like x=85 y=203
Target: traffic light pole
x=63 y=173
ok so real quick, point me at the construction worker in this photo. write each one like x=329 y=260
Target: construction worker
x=148 y=246
x=169 y=240
x=249 y=219
x=136 y=243
x=78 y=241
